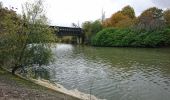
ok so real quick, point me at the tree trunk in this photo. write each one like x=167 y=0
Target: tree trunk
x=15 y=69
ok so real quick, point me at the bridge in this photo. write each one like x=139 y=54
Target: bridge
x=69 y=31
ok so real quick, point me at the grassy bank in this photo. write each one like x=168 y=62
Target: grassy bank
x=16 y=88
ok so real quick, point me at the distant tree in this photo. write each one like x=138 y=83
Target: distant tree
x=126 y=23
x=106 y=23
x=128 y=11
x=121 y=19
x=151 y=19
x=118 y=20
x=167 y=17
x=91 y=28
x=96 y=27
x=87 y=29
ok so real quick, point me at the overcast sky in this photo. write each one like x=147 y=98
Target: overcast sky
x=65 y=12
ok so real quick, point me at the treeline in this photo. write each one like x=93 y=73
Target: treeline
x=24 y=37
x=124 y=29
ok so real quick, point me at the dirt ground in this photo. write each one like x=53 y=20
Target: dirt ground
x=15 y=88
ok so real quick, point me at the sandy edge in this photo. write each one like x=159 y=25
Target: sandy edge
x=59 y=88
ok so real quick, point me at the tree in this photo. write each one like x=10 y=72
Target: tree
x=28 y=45
x=9 y=25
x=151 y=19
x=128 y=11
x=167 y=17
x=121 y=19
x=96 y=27
x=106 y=23
x=118 y=20
x=126 y=23
x=91 y=28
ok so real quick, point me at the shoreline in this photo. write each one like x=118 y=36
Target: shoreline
x=59 y=88
x=56 y=87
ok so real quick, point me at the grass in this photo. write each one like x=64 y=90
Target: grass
x=7 y=75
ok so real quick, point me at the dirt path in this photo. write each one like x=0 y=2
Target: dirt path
x=16 y=88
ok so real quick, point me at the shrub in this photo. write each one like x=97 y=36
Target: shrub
x=128 y=38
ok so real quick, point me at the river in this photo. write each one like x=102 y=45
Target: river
x=113 y=73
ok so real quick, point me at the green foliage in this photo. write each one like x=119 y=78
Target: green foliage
x=9 y=24
x=24 y=39
x=129 y=38
x=91 y=28
x=148 y=30
x=38 y=55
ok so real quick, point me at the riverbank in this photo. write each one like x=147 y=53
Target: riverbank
x=17 y=88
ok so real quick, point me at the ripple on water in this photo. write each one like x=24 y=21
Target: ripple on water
x=114 y=73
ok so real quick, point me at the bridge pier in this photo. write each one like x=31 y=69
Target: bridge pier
x=80 y=40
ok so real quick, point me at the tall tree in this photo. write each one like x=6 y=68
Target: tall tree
x=167 y=17
x=9 y=25
x=151 y=19
x=128 y=11
x=121 y=19
x=118 y=20
x=91 y=28
x=106 y=23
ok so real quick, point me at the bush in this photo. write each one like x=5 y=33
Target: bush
x=127 y=38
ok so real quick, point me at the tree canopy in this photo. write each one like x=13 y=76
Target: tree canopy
x=25 y=38
x=167 y=17
x=121 y=19
x=151 y=19
x=123 y=29
x=91 y=28
x=128 y=11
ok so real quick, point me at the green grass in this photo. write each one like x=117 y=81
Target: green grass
x=18 y=81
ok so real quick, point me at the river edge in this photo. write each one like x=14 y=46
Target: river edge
x=58 y=88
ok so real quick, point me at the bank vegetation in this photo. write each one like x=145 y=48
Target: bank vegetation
x=124 y=29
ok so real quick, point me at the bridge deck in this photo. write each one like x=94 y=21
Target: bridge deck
x=67 y=31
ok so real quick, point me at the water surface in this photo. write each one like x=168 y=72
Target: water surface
x=113 y=73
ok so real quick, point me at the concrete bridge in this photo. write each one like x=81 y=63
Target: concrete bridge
x=69 y=31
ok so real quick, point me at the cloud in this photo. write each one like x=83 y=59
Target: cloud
x=162 y=3
x=138 y=5
x=65 y=12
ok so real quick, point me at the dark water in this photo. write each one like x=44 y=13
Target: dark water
x=113 y=73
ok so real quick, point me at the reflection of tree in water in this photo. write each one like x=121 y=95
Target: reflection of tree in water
x=35 y=72
x=42 y=73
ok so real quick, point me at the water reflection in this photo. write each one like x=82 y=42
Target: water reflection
x=36 y=72
x=113 y=73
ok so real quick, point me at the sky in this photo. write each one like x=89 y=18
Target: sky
x=66 y=12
